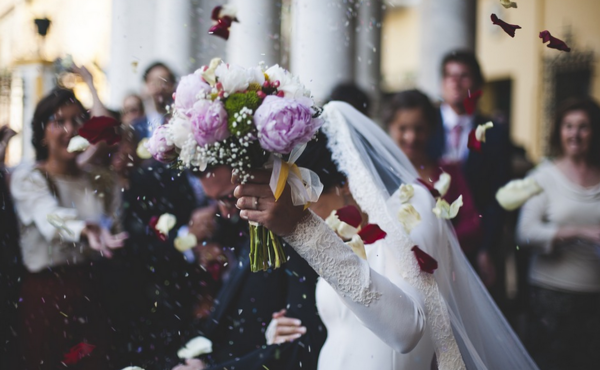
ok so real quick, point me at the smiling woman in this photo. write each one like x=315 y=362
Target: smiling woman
x=65 y=225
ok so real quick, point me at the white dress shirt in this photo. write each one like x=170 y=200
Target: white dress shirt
x=455 y=152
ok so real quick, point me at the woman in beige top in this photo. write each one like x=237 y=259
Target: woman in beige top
x=65 y=219
x=562 y=227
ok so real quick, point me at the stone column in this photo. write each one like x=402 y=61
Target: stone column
x=172 y=43
x=368 y=49
x=322 y=47
x=256 y=37
x=206 y=46
x=445 y=25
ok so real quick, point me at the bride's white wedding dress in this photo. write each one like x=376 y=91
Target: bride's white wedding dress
x=384 y=313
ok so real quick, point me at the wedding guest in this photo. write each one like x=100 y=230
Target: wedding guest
x=65 y=226
x=159 y=86
x=133 y=109
x=561 y=226
x=247 y=300
x=485 y=171
x=410 y=119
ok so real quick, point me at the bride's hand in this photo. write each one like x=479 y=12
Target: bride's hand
x=257 y=204
x=284 y=329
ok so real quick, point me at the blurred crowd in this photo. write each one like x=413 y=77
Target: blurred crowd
x=81 y=263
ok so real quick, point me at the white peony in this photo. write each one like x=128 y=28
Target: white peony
x=179 y=131
x=184 y=243
x=443 y=183
x=481 y=129
x=77 y=144
x=409 y=217
x=288 y=83
x=142 y=151
x=165 y=223
x=358 y=246
x=195 y=347
x=256 y=76
x=514 y=194
x=234 y=78
x=406 y=193
x=446 y=211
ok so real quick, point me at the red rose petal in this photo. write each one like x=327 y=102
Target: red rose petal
x=78 y=352
x=101 y=129
x=371 y=233
x=219 y=29
x=473 y=143
x=555 y=43
x=426 y=262
x=470 y=102
x=507 y=27
x=434 y=192
x=215 y=13
x=350 y=215
x=153 y=221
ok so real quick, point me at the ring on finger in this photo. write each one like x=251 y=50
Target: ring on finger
x=255 y=203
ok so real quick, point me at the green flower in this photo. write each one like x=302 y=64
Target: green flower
x=240 y=107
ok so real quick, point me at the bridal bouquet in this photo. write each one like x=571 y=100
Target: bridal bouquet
x=244 y=118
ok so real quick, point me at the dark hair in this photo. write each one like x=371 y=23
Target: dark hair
x=467 y=58
x=159 y=65
x=318 y=157
x=44 y=109
x=353 y=95
x=410 y=99
x=592 y=110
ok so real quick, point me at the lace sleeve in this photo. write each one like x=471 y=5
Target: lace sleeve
x=373 y=298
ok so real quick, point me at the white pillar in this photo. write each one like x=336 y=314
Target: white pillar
x=322 y=47
x=207 y=46
x=446 y=25
x=256 y=37
x=172 y=44
x=368 y=49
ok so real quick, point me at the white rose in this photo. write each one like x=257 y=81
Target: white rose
x=184 y=243
x=443 y=183
x=233 y=78
x=288 y=83
x=481 y=129
x=142 y=151
x=514 y=194
x=358 y=246
x=179 y=131
x=195 y=347
x=165 y=223
x=256 y=76
x=406 y=193
x=446 y=211
x=77 y=144
x=409 y=217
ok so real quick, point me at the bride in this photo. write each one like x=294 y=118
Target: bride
x=383 y=312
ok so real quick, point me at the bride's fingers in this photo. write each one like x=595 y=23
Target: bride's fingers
x=252 y=203
x=288 y=321
x=252 y=190
x=254 y=216
x=287 y=338
x=279 y=313
x=290 y=330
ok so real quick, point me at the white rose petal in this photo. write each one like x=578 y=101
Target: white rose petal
x=195 y=347
x=514 y=194
x=346 y=231
x=446 y=211
x=333 y=221
x=142 y=150
x=481 y=129
x=255 y=76
x=406 y=193
x=165 y=223
x=358 y=246
x=184 y=243
x=209 y=74
x=78 y=144
x=228 y=10
x=443 y=183
x=409 y=217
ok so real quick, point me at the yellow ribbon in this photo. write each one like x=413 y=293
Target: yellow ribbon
x=283 y=176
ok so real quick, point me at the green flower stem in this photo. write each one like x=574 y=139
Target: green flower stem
x=266 y=249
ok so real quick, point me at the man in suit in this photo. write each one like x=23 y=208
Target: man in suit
x=485 y=171
x=245 y=305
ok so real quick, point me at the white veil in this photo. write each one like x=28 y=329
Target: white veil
x=375 y=168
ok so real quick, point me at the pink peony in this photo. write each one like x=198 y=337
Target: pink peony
x=284 y=123
x=188 y=89
x=159 y=146
x=209 y=122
